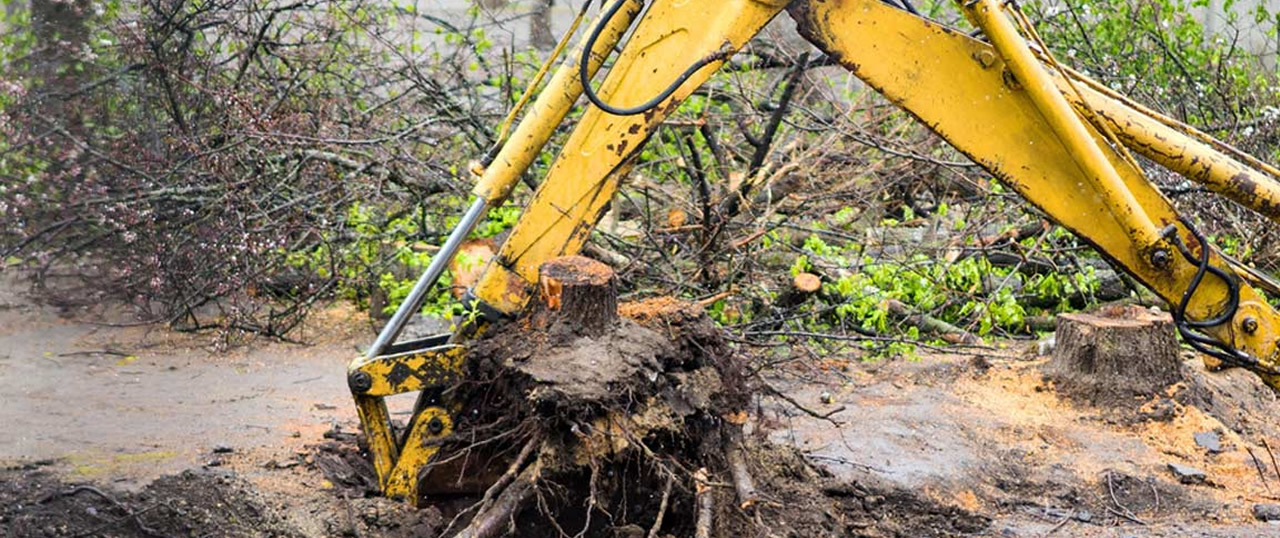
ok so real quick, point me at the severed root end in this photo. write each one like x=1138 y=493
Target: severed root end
x=706 y=503
x=743 y=484
x=494 y=520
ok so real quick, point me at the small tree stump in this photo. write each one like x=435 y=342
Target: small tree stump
x=802 y=287
x=806 y=283
x=1115 y=356
x=582 y=292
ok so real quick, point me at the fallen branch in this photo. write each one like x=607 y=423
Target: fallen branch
x=733 y=202
x=611 y=258
x=707 y=302
x=806 y=410
x=95 y=352
x=775 y=120
x=1273 y=457
x=129 y=515
x=1120 y=509
x=927 y=323
x=1258 y=465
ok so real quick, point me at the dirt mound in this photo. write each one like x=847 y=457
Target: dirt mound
x=37 y=504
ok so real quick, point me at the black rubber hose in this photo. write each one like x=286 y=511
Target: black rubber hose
x=584 y=71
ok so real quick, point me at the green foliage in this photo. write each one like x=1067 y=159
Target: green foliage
x=970 y=292
x=1158 y=51
x=500 y=220
x=328 y=147
x=390 y=254
x=1233 y=246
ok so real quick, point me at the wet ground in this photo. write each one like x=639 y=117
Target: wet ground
x=991 y=435
x=120 y=407
x=131 y=404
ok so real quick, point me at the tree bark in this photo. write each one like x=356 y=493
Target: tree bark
x=61 y=30
x=803 y=286
x=581 y=292
x=1119 y=355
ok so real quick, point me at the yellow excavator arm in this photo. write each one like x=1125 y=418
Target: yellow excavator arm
x=1059 y=139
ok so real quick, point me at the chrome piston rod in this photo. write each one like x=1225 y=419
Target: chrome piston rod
x=439 y=263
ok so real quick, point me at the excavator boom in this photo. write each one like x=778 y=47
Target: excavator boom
x=1060 y=140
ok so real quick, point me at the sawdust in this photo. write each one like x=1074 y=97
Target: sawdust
x=1096 y=444
x=652 y=309
x=1232 y=472
x=1019 y=394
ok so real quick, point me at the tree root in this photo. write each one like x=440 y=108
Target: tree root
x=662 y=506
x=742 y=481
x=494 y=520
x=622 y=419
x=706 y=504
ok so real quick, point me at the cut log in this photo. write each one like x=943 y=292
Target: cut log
x=807 y=283
x=1119 y=355
x=467 y=265
x=677 y=218
x=581 y=292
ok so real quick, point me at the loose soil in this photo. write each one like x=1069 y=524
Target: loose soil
x=170 y=438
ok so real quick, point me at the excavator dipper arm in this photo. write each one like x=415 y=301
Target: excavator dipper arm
x=1060 y=140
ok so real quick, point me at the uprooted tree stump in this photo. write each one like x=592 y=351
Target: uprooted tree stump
x=1116 y=356
x=601 y=422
